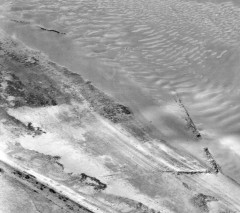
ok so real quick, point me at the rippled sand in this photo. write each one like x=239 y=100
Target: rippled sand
x=144 y=53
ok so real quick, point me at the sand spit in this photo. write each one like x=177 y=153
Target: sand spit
x=82 y=150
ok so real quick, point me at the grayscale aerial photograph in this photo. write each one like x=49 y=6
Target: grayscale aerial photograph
x=119 y=106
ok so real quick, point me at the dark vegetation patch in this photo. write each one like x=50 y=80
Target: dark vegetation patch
x=116 y=109
x=35 y=97
x=56 y=157
x=190 y=124
x=26 y=80
x=88 y=180
x=51 y=30
x=53 y=159
x=31 y=87
x=30 y=93
x=59 y=164
x=143 y=208
x=52 y=191
x=40 y=27
x=186 y=186
x=92 y=181
x=46 y=190
x=20 y=21
x=106 y=107
x=113 y=111
x=15 y=87
x=192 y=172
x=14 y=121
x=101 y=103
x=31 y=156
x=23 y=175
x=201 y=200
x=28 y=61
x=20 y=126
x=35 y=130
x=76 y=78
x=133 y=205
x=214 y=165
x=30 y=127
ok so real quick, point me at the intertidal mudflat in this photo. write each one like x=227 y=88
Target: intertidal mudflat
x=119 y=106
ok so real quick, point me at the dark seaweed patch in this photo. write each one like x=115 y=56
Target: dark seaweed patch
x=27 y=177
x=30 y=127
x=192 y=172
x=18 y=173
x=30 y=94
x=92 y=181
x=16 y=121
x=215 y=167
x=39 y=98
x=20 y=21
x=143 y=208
x=28 y=61
x=51 y=30
x=36 y=131
x=32 y=180
x=115 y=111
x=201 y=200
x=190 y=124
x=186 y=186
x=104 y=105
x=52 y=191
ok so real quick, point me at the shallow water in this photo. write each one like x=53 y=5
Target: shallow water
x=143 y=53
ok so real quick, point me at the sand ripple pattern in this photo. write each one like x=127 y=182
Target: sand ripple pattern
x=164 y=46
